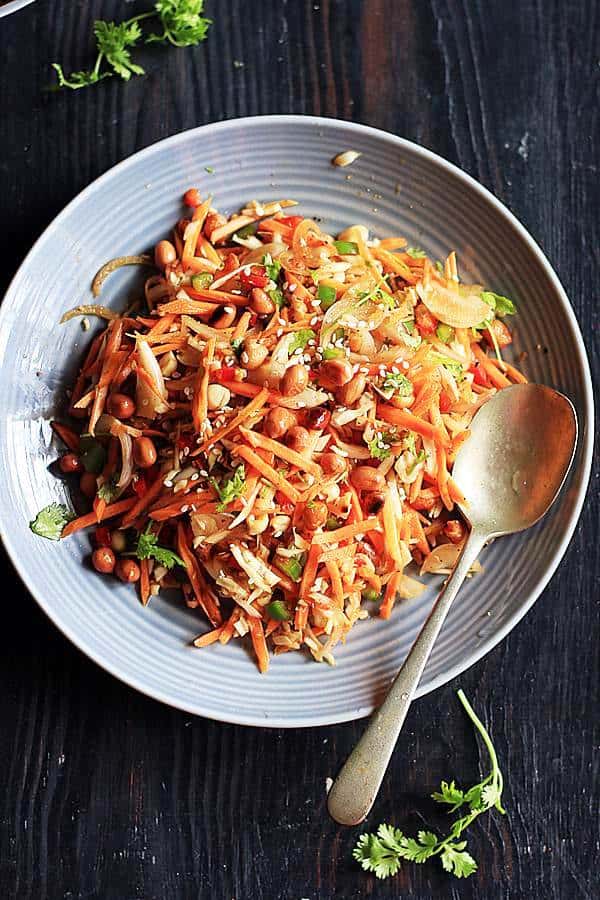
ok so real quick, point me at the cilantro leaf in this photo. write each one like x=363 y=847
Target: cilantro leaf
x=182 y=22
x=272 y=266
x=109 y=490
x=230 y=488
x=51 y=520
x=381 y=853
x=148 y=547
x=457 y=861
x=300 y=340
x=113 y=41
x=416 y=252
x=501 y=305
x=78 y=80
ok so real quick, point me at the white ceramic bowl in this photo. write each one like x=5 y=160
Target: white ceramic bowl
x=7 y=8
x=395 y=187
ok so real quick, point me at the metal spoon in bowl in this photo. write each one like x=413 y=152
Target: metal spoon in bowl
x=510 y=471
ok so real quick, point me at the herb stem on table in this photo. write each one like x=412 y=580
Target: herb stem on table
x=381 y=853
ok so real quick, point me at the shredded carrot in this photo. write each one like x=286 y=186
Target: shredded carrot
x=281 y=451
x=269 y=473
x=200 y=398
x=218 y=298
x=407 y=420
x=69 y=438
x=201 y=592
x=346 y=532
x=210 y=637
x=258 y=642
x=112 y=510
x=143 y=503
x=337 y=590
x=389 y=598
x=257 y=403
x=497 y=378
x=144 y=582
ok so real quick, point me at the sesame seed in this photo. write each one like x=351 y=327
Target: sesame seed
x=315 y=303
x=194 y=477
x=204 y=472
x=314 y=320
x=405 y=365
x=168 y=483
x=292 y=288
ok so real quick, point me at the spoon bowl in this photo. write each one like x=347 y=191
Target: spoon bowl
x=509 y=471
x=514 y=464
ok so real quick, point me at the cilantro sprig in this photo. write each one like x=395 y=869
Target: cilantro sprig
x=148 y=547
x=182 y=24
x=382 y=852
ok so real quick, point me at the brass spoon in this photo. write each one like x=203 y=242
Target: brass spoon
x=510 y=471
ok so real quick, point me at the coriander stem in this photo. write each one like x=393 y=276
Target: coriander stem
x=496 y=774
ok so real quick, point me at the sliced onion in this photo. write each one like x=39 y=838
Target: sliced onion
x=275 y=249
x=151 y=398
x=348 y=311
x=409 y=588
x=459 y=309
x=126 y=460
x=91 y=309
x=306 y=399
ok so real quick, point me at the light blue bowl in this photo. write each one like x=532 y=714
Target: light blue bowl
x=395 y=187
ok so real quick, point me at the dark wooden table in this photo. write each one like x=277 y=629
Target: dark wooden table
x=106 y=794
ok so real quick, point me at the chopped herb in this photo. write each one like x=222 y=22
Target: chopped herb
x=332 y=352
x=278 y=610
x=501 y=305
x=381 y=853
x=444 y=333
x=182 y=24
x=292 y=566
x=326 y=295
x=272 y=266
x=409 y=324
x=209 y=169
x=202 y=281
x=51 y=520
x=230 y=488
x=452 y=365
x=109 y=490
x=379 y=446
x=247 y=231
x=148 y=547
x=409 y=442
x=416 y=252
x=370 y=594
x=346 y=248
x=237 y=346
x=396 y=382
x=277 y=297
x=419 y=458
x=439 y=266
x=93 y=454
x=332 y=523
x=300 y=339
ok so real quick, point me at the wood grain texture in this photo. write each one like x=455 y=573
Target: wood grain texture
x=107 y=794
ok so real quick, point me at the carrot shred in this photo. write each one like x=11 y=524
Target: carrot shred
x=389 y=598
x=201 y=592
x=346 y=532
x=410 y=422
x=281 y=451
x=268 y=472
x=112 y=510
x=337 y=591
x=142 y=503
x=210 y=637
x=257 y=403
x=200 y=398
x=259 y=643
x=144 y=582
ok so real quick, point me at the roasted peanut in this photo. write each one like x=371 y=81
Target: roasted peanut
x=261 y=303
x=336 y=372
x=454 y=530
x=253 y=354
x=103 y=560
x=70 y=463
x=144 y=452
x=164 y=254
x=316 y=418
x=121 y=406
x=279 y=421
x=351 y=392
x=333 y=464
x=218 y=396
x=366 y=478
x=373 y=502
x=192 y=197
x=295 y=379
x=314 y=515
x=213 y=220
x=298 y=438
x=127 y=570
x=87 y=484
x=224 y=317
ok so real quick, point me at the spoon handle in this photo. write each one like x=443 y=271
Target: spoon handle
x=353 y=793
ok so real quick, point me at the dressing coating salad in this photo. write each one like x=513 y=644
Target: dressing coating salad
x=272 y=429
